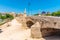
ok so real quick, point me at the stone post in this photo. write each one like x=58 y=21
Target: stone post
x=35 y=30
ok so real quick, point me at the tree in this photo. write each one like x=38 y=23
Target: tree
x=9 y=16
x=53 y=14
x=3 y=17
x=36 y=14
x=0 y=15
x=56 y=13
x=48 y=14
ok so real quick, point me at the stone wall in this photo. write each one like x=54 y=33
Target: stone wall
x=22 y=20
x=38 y=32
x=48 y=26
x=47 y=22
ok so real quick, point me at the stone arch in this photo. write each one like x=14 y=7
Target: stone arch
x=48 y=32
x=29 y=24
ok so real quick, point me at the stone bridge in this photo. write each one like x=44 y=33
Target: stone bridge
x=45 y=21
x=49 y=25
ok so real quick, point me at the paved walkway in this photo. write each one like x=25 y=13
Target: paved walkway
x=55 y=37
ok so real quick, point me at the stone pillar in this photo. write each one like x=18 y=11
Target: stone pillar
x=35 y=30
x=22 y=20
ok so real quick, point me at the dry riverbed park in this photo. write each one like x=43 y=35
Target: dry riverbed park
x=29 y=19
x=31 y=28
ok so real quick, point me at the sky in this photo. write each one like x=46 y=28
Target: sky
x=32 y=6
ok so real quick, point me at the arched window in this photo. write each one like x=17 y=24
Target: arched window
x=29 y=24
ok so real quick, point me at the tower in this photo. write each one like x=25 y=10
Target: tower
x=25 y=12
x=48 y=14
x=39 y=13
x=43 y=13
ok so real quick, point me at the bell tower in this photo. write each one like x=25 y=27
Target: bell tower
x=39 y=13
x=25 y=12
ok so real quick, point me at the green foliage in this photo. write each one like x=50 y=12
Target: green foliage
x=3 y=17
x=56 y=13
x=0 y=15
x=6 y=16
x=36 y=14
x=52 y=14
x=9 y=16
x=48 y=14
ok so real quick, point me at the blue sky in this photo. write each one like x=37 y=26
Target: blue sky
x=35 y=5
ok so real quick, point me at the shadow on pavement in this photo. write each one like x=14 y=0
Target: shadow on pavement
x=56 y=36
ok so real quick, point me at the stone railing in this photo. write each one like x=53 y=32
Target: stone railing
x=44 y=26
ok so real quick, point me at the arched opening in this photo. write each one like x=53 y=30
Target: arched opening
x=50 y=33
x=29 y=24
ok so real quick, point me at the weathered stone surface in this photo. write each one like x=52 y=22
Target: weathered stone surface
x=35 y=30
x=47 y=24
x=22 y=20
x=47 y=21
x=47 y=31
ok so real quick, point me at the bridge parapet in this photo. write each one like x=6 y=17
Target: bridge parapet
x=48 y=26
x=47 y=21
